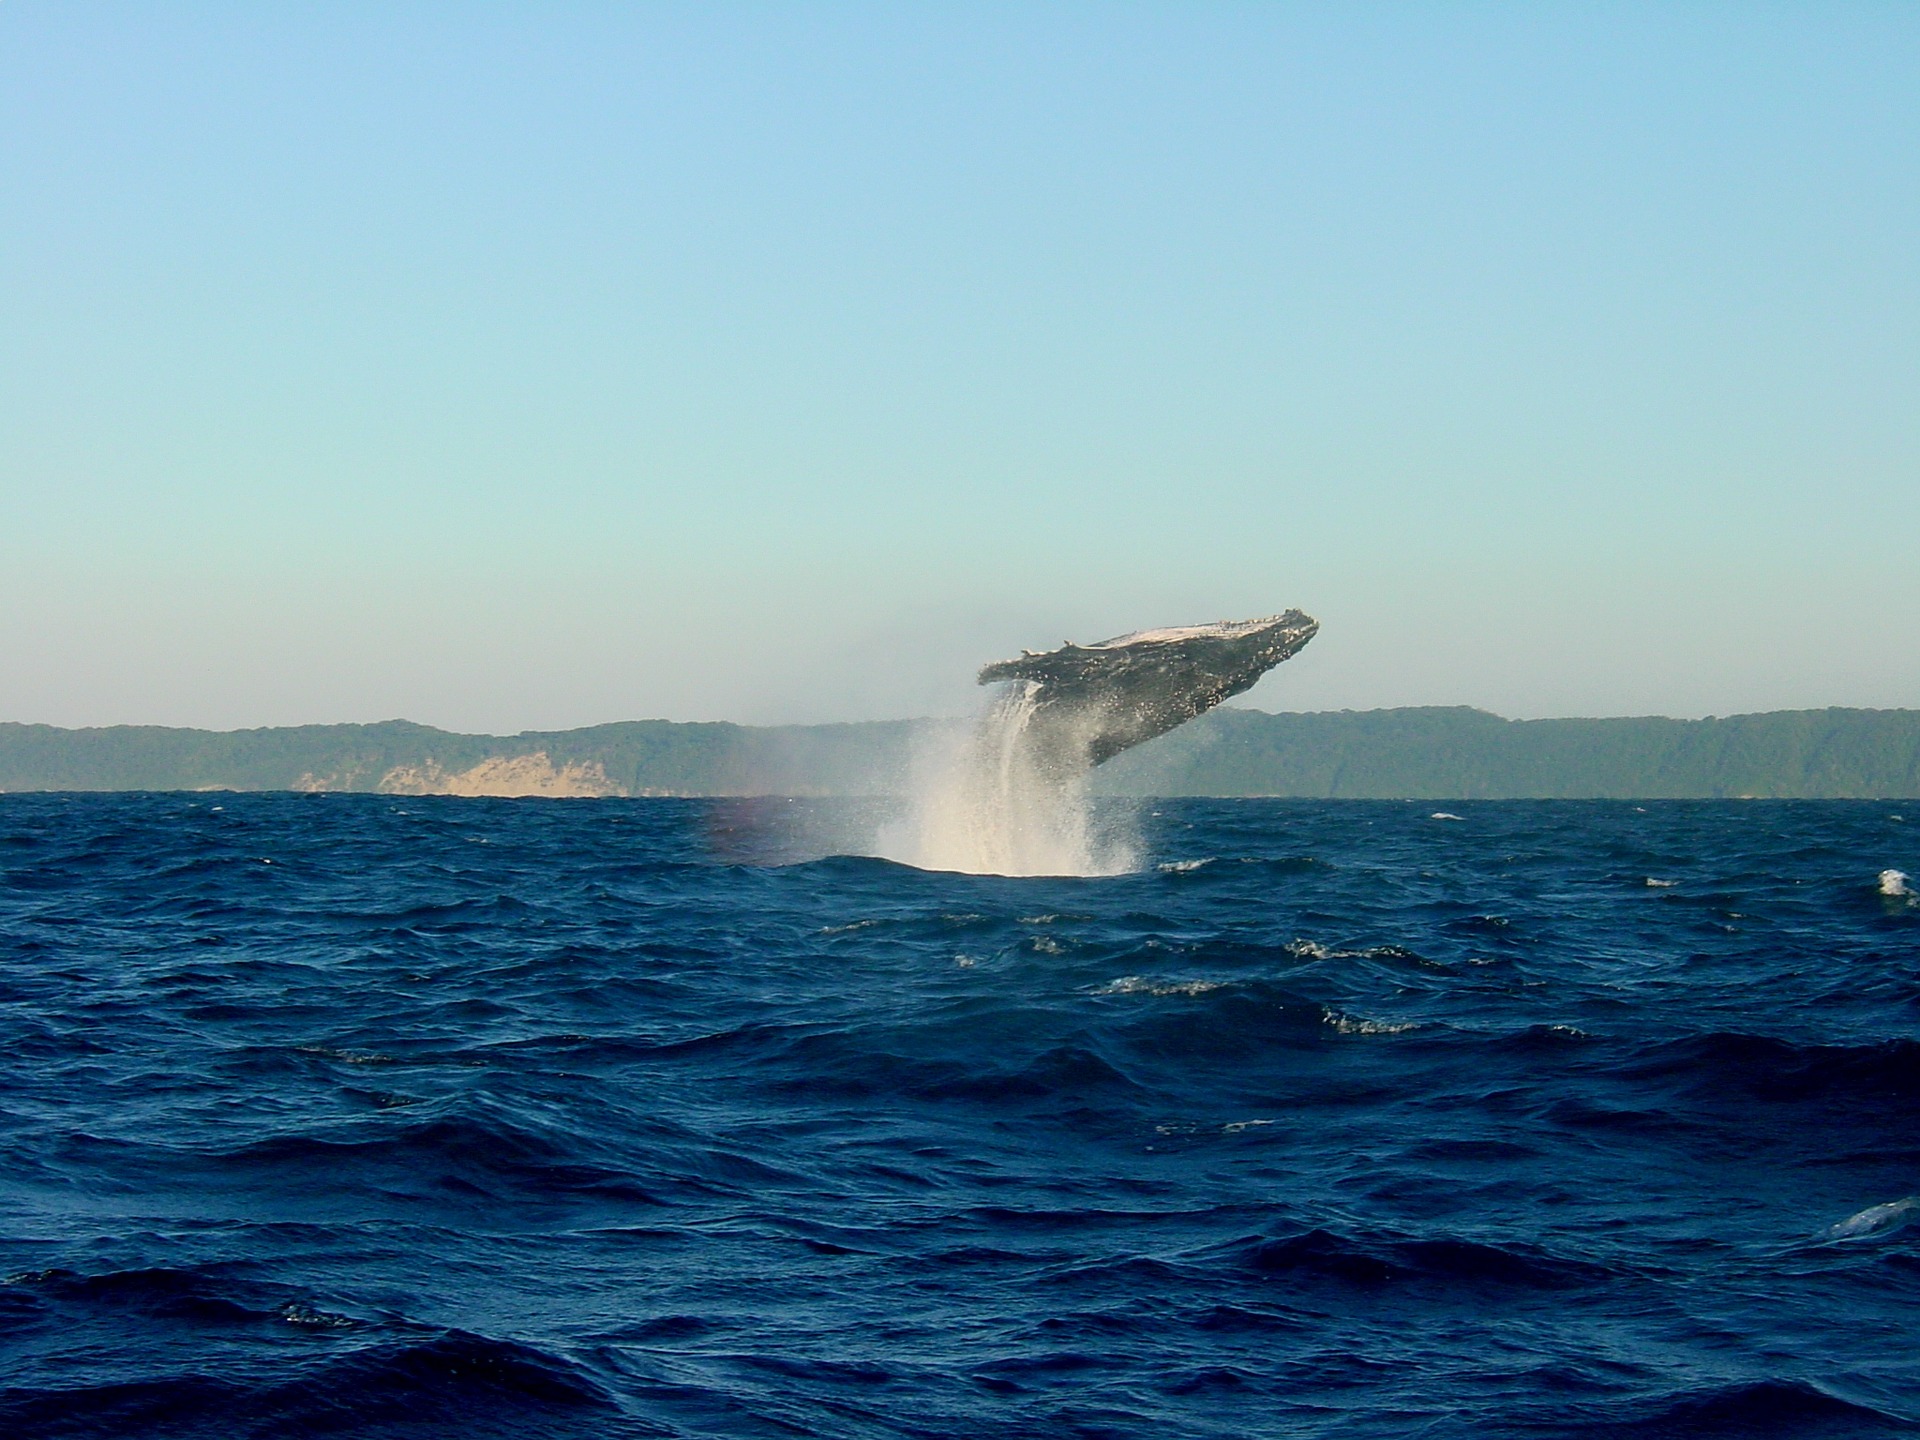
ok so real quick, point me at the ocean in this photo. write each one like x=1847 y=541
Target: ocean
x=383 y=1117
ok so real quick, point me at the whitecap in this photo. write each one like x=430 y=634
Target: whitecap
x=1354 y=1025
x=1874 y=1220
x=1653 y=884
x=1894 y=882
x=851 y=927
x=1182 y=867
x=1314 y=950
x=1141 y=985
x=298 y=1312
x=1445 y=815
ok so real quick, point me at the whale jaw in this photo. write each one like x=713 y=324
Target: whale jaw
x=1091 y=702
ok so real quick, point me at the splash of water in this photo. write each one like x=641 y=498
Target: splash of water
x=988 y=802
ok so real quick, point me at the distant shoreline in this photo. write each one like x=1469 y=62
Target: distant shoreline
x=1416 y=753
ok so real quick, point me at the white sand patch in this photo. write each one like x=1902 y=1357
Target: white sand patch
x=505 y=775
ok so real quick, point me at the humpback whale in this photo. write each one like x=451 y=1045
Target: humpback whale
x=1087 y=703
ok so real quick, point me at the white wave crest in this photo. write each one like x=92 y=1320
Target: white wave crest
x=1354 y=1025
x=1894 y=882
x=1874 y=1220
x=1141 y=985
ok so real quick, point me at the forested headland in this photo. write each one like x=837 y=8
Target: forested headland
x=1436 y=753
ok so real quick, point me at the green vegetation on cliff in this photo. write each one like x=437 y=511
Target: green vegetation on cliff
x=1457 y=753
x=638 y=757
x=1429 y=753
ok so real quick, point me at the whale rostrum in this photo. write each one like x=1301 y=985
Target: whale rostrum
x=1090 y=702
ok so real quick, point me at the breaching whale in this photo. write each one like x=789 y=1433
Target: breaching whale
x=1090 y=702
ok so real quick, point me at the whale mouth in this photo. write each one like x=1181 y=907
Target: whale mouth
x=1291 y=621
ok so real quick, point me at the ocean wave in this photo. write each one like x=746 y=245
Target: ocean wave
x=451 y=1382
x=1874 y=1221
x=634 y=1120
x=1240 y=868
x=1760 y=1408
x=454 y=1159
x=1324 y=1255
x=1884 y=1074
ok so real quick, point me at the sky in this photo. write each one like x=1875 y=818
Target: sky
x=509 y=366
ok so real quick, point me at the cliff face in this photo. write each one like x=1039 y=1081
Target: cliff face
x=1430 y=753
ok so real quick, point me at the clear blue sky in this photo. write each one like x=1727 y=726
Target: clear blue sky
x=510 y=366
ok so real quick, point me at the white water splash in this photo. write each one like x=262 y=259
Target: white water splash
x=1894 y=882
x=983 y=803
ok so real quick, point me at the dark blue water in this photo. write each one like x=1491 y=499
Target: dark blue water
x=477 y=1118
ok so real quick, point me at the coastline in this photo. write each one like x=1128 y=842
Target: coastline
x=1415 y=753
